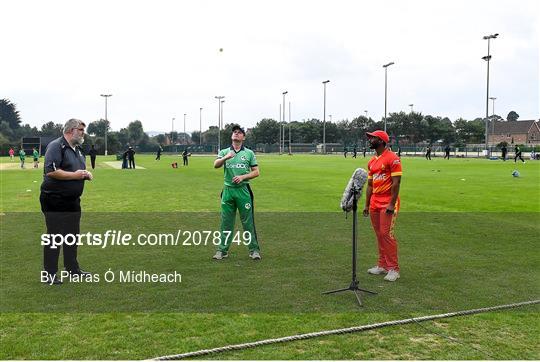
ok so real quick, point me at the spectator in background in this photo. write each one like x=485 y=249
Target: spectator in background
x=504 y=152
x=447 y=152
x=131 y=157
x=93 y=154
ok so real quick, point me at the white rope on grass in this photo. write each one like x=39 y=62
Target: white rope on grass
x=236 y=347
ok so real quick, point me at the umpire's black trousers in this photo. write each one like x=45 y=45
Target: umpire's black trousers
x=62 y=216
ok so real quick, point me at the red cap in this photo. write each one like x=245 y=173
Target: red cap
x=381 y=134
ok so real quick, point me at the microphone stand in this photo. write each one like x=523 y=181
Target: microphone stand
x=354 y=283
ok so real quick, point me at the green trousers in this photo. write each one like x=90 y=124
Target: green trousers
x=240 y=198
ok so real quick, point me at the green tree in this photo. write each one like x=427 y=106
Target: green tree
x=24 y=131
x=6 y=130
x=354 y=131
x=266 y=131
x=113 y=144
x=310 y=131
x=4 y=144
x=51 y=129
x=123 y=137
x=135 y=132
x=98 y=128
x=469 y=131
x=9 y=114
x=161 y=138
x=512 y=116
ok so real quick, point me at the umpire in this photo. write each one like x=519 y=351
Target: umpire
x=63 y=183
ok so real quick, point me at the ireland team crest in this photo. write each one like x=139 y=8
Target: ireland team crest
x=248 y=206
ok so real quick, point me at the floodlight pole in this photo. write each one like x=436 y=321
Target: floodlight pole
x=324 y=117
x=493 y=116
x=487 y=59
x=172 y=130
x=280 y=129
x=106 y=120
x=283 y=119
x=200 y=126
x=221 y=126
x=219 y=98
x=290 y=148
x=185 y=139
x=386 y=89
x=411 y=105
x=493 y=105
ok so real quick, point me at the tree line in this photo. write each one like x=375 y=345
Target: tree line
x=403 y=128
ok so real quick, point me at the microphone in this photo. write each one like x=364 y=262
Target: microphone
x=355 y=184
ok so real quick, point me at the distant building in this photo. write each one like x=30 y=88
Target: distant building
x=514 y=132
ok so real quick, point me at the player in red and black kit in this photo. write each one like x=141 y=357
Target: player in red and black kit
x=382 y=203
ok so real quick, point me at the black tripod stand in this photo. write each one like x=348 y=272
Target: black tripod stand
x=354 y=283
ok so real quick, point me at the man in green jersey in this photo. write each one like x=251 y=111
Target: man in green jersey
x=35 y=154
x=240 y=166
x=22 y=157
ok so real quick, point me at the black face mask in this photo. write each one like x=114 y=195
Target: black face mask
x=375 y=143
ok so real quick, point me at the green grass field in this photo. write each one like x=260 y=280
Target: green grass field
x=468 y=234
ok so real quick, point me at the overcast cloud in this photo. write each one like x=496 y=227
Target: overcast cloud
x=161 y=59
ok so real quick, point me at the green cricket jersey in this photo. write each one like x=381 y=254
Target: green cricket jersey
x=35 y=154
x=240 y=164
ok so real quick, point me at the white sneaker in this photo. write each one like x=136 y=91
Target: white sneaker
x=392 y=276
x=254 y=255
x=220 y=255
x=376 y=270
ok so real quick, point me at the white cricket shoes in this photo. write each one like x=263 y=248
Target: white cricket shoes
x=392 y=276
x=376 y=270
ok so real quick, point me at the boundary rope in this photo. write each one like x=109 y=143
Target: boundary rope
x=298 y=337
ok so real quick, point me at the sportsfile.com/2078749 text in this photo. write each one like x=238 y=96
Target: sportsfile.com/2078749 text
x=120 y=238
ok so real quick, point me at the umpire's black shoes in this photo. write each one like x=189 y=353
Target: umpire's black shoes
x=52 y=279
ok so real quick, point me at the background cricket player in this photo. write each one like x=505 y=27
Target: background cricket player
x=382 y=203
x=240 y=167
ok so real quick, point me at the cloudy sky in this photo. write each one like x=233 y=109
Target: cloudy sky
x=160 y=59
